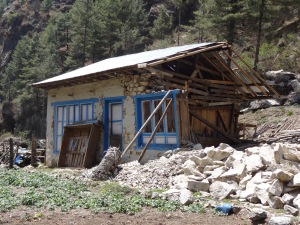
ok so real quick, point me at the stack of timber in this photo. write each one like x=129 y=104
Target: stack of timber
x=288 y=131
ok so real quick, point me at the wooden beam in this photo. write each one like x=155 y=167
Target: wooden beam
x=186 y=54
x=213 y=98
x=223 y=74
x=211 y=125
x=187 y=88
x=210 y=83
x=180 y=81
x=244 y=72
x=154 y=131
x=222 y=121
x=209 y=70
x=256 y=74
x=233 y=74
x=146 y=122
x=219 y=103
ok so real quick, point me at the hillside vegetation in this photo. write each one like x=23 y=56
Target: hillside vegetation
x=41 y=39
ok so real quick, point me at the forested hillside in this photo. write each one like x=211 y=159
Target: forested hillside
x=43 y=38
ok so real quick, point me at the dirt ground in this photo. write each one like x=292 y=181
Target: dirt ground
x=24 y=216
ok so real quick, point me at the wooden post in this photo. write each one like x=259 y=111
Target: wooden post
x=144 y=125
x=11 y=153
x=154 y=132
x=33 y=151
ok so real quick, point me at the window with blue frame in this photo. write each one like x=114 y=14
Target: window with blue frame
x=166 y=136
x=71 y=112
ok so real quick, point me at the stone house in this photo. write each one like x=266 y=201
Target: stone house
x=207 y=83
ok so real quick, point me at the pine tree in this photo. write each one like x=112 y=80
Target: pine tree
x=81 y=14
x=162 y=25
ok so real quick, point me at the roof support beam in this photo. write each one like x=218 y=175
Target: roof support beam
x=256 y=74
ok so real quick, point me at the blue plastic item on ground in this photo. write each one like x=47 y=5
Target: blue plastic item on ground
x=224 y=208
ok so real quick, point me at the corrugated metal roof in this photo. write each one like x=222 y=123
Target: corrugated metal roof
x=123 y=61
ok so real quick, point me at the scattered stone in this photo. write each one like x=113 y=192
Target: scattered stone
x=275 y=202
x=276 y=188
x=287 y=198
x=197 y=186
x=220 y=153
x=186 y=197
x=253 y=163
x=280 y=220
x=291 y=210
x=296 y=202
x=283 y=176
x=220 y=190
x=258 y=214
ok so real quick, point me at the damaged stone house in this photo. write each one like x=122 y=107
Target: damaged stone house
x=109 y=101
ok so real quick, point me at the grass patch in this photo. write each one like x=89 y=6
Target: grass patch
x=36 y=189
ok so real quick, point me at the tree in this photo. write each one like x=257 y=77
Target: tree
x=132 y=26
x=162 y=25
x=81 y=14
x=200 y=26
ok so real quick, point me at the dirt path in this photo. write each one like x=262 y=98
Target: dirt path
x=24 y=216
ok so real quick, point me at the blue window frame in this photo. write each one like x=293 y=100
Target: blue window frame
x=71 y=112
x=113 y=122
x=166 y=136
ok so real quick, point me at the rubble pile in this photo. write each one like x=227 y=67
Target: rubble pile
x=156 y=174
x=267 y=174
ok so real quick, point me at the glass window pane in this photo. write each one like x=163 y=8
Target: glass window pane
x=158 y=115
x=71 y=114
x=90 y=112
x=117 y=128
x=59 y=128
x=65 y=113
x=145 y=115
x=146 y=139
x=116 y=110
x=59 y=113
x=76 y=113
x=58 y=143
x=171 y=140
x=170 y=118
x=83 y=112
x=159 y=140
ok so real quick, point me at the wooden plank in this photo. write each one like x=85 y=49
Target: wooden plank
x=211 y=125
x=219 y=103
x=184 y=119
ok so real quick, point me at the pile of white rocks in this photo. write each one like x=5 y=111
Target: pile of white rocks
x=267 y=175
